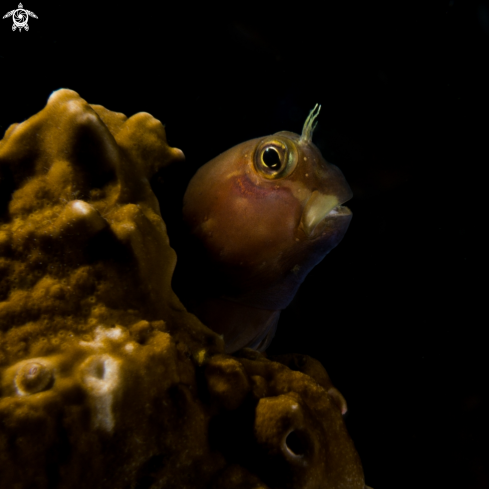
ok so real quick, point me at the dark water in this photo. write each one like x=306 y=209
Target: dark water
x=397 y=312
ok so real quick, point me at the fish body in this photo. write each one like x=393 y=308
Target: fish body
x=263 y=213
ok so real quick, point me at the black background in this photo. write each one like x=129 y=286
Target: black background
x=397 y=312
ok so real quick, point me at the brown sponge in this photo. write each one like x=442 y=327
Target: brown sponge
x=106 y=381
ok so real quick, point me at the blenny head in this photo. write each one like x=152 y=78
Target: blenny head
x=266 y=212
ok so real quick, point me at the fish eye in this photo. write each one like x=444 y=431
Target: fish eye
x=275 y=158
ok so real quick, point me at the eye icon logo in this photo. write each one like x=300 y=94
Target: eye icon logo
x=20 y=16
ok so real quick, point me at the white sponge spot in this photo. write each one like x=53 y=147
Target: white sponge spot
x=101 y=334
x=101 y=378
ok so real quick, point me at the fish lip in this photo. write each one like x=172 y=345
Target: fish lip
x=339 y=210
x=321 y=209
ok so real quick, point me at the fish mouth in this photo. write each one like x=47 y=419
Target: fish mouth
x=319 y=210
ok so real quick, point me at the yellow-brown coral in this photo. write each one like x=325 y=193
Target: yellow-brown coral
x=106 y=380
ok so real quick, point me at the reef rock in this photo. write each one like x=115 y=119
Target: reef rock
x=106 y=381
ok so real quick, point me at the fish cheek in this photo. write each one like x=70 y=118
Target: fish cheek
x=250 y=225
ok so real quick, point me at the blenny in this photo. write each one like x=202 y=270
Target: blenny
x=262 y=215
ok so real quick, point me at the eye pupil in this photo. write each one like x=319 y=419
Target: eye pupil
x=271 y=158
